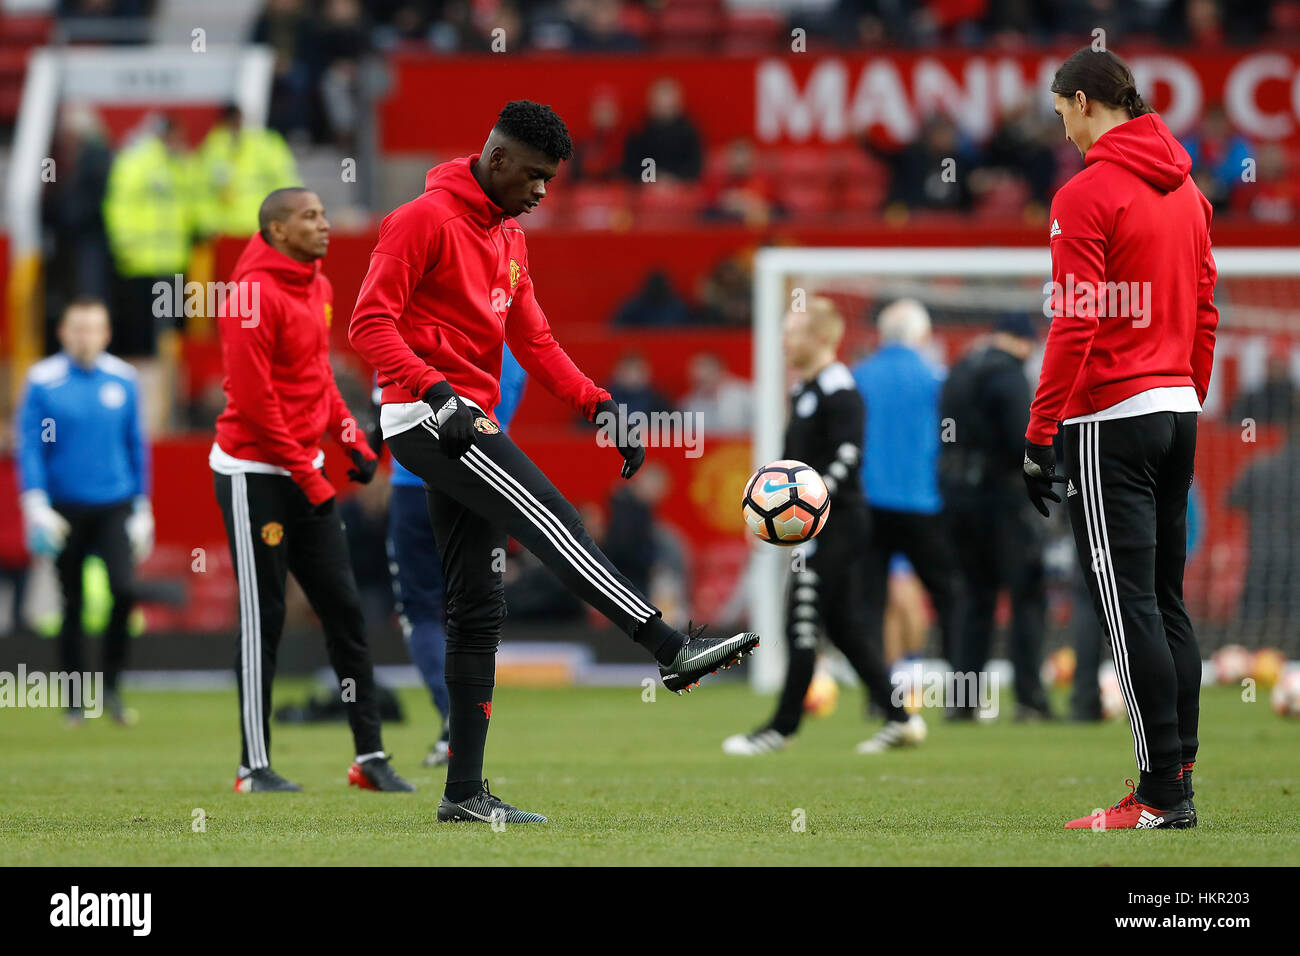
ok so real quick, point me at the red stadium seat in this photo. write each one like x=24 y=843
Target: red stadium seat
x=809 y=164
x=689 y=29
x=757 y=31
x=805 y=199
x=1005 y=201
x=599 y=205
x=666 y=203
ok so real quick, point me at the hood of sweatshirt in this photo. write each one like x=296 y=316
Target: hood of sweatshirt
x=1145 y=147
x=259 y=256
x=457 y=177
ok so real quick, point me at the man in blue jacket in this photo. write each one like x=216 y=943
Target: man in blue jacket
x=417 y=581
x=84 y=467
x=900 y=388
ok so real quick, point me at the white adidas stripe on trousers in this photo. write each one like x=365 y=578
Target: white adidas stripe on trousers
x=1094 y=516
x=250 y=624
x=552 y=529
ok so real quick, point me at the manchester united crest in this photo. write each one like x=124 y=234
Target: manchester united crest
x=485 y=425
x=514 y=274
x=272 y=533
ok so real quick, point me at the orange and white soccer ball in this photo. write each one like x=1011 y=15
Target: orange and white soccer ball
x=1286 y=692
x=786 y=503
x=1231 y=663
x=822 y=696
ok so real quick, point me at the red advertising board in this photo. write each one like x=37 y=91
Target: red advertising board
x=444 y=105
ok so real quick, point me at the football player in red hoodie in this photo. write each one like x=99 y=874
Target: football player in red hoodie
x=449 y=281
x=1126 y=368
x=277 y=503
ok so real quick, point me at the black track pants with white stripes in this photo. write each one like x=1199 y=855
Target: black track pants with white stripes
x=825 y=597
x=1129 y=479
x=495 y=490
x=272 y=532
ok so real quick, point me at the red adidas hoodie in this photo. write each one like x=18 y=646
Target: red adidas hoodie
x=448 y=283
x=280 y=391
x=1131 y=216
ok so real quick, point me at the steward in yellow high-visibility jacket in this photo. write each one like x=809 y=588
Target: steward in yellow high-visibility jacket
x=149 y=206
x=240 y=165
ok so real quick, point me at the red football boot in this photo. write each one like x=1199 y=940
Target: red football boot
x=1128 y=814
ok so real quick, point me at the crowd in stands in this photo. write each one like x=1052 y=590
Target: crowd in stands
x=620 y=26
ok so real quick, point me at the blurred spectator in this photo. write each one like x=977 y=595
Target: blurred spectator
x=286 y=27
x=724 y=402
x=149 y=219
x=654 y=305
x=645 y=550
x=1273 y=401
x=668 y=137
x=630 y=385
x=598 y=27
x=900 y=388
x=1275 y=195
x=1218 y=157
x=1021 y=147
x=598 y=156
x=1266 y=492
x=739 y=192
x=399 y=22
x=999 y=543
x=239 y=166
x=726 y=295
x=1204 y=24
x=340 y=47
x=73 y=212
x=455 y=31
x=934 y=171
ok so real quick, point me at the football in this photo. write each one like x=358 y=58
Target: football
x=1232 y=663
x=786 y=503
x=1286 y=692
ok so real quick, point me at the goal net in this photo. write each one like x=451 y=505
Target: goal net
x=1243 y=575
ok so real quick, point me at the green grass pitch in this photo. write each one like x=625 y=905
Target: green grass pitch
x=630 y=782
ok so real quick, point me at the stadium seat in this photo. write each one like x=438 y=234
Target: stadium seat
x=754 y=31
x=599 y=205
x=667 y=203
x=689 y=29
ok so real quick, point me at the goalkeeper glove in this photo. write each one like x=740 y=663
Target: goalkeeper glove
x=46 y=529
x=365 y=467
x=1040 y=474
x=139 y=529
x=629 y=445
x=454 y=418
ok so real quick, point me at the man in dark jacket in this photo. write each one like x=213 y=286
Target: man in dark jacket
x=985 y=403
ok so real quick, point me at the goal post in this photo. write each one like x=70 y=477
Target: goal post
x=1258 y=295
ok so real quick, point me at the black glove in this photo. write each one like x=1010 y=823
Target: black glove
x=455 y=420
x=365 y=470
x=326 y=507
x=1040 y=474
x=628 y=445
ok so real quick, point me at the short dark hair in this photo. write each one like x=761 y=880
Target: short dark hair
x=82 y=301
x=275 y=208
x=537 y=126
x=1102 y=76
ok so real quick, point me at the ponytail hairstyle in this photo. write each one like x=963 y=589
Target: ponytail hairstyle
x=1103 y=77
